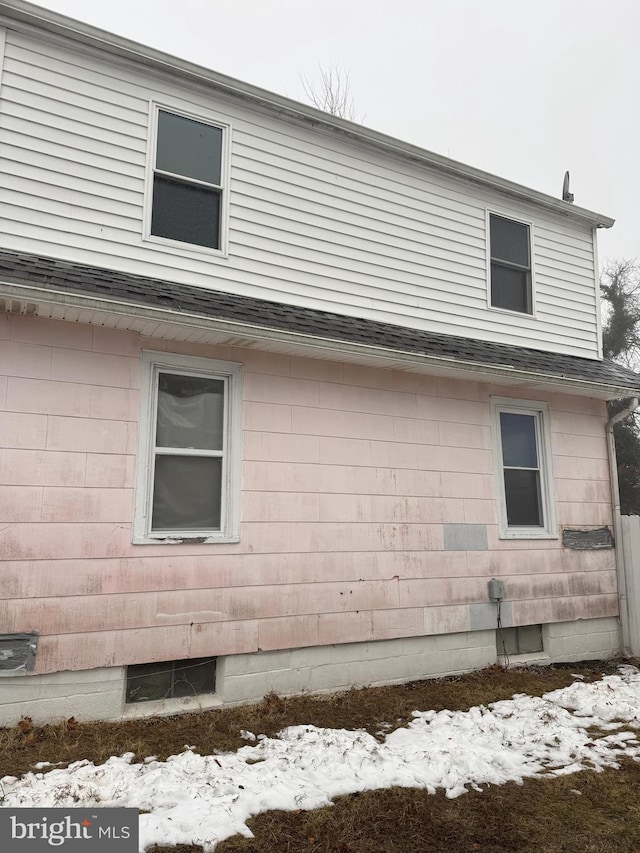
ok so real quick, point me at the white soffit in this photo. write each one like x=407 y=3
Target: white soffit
x=151 y=322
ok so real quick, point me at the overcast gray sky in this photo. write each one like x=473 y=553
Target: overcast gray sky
x=524 y=89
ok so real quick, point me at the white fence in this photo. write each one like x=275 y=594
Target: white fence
x=631 y=556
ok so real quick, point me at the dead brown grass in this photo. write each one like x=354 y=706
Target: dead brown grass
x=543 y=815
x=21 y=747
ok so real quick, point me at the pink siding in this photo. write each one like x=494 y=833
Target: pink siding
x=349 y=474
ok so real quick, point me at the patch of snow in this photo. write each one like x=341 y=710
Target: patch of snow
x=203 y=799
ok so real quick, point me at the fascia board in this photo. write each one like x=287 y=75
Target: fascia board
x=333 y=347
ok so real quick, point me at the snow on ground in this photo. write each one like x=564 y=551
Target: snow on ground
x=202 y=799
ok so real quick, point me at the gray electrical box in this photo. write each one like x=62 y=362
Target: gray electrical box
x=496 y=590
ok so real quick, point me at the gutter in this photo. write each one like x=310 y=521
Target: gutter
x=256 y=332
x=26 y=16
x=621 y=567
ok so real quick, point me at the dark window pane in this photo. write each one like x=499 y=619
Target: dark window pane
x=148 y=681
x=509 y=241
x=186 y=494
x=522 y=491
x=192 y=677
x=190 y=412
x=529 y=639
x=519 y=445
x=185 y=212
x=519 y=641
x=507 y=641
x=510 y=289
x=189 y=148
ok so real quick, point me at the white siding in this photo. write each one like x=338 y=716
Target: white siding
x=314 y=219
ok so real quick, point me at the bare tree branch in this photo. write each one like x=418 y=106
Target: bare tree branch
x=332 y=92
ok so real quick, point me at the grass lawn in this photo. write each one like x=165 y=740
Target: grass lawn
x=578 y=813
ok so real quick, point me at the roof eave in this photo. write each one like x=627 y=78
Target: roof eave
x=35 y=16
x=240 y=333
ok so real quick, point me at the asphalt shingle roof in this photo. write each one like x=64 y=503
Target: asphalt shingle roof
x=48 y=273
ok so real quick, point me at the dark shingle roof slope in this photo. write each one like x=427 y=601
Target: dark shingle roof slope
x=48 y=273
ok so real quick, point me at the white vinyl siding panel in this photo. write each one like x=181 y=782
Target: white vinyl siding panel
x=314 y=220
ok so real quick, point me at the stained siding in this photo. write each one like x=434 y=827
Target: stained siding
x=349 y=474
x=314 y=220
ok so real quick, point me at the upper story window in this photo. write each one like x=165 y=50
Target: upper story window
x=510 y=252
x=188 y=482
x=187 y=204
x=523 y=469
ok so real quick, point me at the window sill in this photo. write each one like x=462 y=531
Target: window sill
x=177 y=247
x=512 y=312
x=526 y=534
x=177 y=539
x=168 y=707
x=523 y=659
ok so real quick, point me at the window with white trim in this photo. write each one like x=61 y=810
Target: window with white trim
x=189 y=450
x=523 y=469
x=510 y=256
x=188 y=176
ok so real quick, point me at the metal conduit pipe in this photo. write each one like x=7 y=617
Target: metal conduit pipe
x=621 y=574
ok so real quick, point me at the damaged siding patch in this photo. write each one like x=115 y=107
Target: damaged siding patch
x=581 y=540
x=484 y=615
x=17 y=653
x=465 y=537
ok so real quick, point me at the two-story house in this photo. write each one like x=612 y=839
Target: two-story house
x=279 y=396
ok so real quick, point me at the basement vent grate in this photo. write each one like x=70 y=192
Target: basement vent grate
x=17 y=653
x=582 y=540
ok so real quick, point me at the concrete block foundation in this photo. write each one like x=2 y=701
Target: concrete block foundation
x=99 y=694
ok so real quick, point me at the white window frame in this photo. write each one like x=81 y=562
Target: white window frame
x=540 y=411
x=152 y=363
x=489 y=212
x=177 y=246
